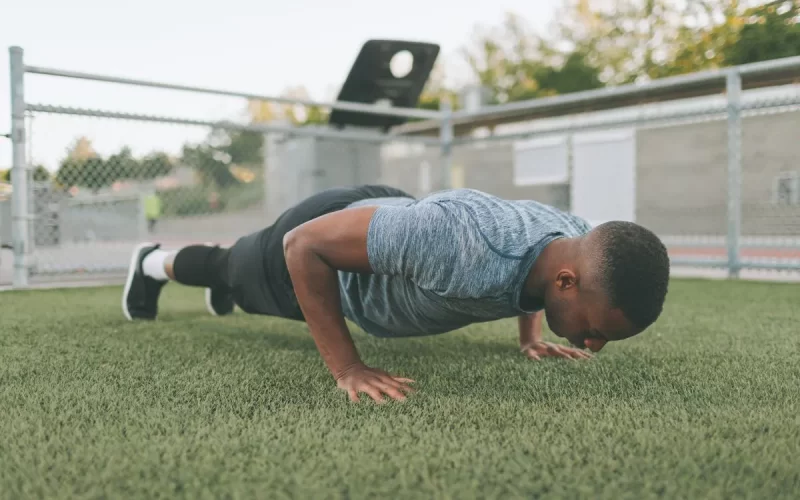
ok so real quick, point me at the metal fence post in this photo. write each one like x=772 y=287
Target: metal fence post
x=19 y=171
x=734 y=92
x=446 y=138
x=272 y=184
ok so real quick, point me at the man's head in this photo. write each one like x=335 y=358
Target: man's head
x=612 y=287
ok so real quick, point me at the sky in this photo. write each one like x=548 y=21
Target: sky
x=242 y=45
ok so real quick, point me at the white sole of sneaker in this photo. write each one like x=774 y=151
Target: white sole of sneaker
x=208 y=303
x=208 y=290
x=129 y=280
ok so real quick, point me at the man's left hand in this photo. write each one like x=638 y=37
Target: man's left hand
x=539 y=350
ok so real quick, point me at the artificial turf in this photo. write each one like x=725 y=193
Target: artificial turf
x=706 y=404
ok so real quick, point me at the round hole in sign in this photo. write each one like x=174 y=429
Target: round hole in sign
x=401 y=64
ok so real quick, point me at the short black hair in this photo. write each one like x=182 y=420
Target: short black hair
x=634 y=270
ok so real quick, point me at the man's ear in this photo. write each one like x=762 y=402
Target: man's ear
x=566 y=279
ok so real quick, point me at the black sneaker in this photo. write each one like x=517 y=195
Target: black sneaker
x=140 y=298
x=219 y=301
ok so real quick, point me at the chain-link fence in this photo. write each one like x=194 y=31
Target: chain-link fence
x=111 y=178
x=100 y=201
x=716 y=176
x=667 y=166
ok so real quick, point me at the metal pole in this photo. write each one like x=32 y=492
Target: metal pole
x=341 y=105
x=19 y=174
x=446 y=138
x=274 y=175
x=734 y=91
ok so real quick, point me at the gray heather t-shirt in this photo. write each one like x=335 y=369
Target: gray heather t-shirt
x=448 y=260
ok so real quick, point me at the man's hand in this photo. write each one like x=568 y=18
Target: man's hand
x=539 y=350
x=374 y=383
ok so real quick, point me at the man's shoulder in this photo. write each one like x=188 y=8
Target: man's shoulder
x=502 y=211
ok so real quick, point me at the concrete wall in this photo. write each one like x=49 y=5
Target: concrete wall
x=308 y=165
x=488 y=167
x=681 y=175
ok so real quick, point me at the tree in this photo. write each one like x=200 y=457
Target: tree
x=88 y=172
x=768 y=31
x=515 y=64
x=81 y=149
x=296 y=114
x=155 y=165
x=85 y=168
x=244 y=147
x=121 y=165
x=435 y=91
x=40 y=174
x=211 y=163
x=628 y=41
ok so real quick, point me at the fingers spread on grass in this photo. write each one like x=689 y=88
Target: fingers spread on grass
x=531 y=354
x=392 y=392
x=567 y=353
x=400 y=387
x=374 y=392
x=392 y=382
x=353 y=395
x=553 y=350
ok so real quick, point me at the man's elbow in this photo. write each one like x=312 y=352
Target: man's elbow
x=294 y=242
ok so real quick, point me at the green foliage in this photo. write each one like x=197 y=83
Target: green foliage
x=95 y=172
x=210 y=163
x=593 y=44
x=197 y=200
x=245 y=147
x=315 y=116
x=40 y=174
x=770 y=31
x=222 y=150
x=515 y=64
x=154 y=165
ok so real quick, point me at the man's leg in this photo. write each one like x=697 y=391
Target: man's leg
x=197 y=265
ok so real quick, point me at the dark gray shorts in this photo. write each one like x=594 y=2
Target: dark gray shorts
x=258 y=276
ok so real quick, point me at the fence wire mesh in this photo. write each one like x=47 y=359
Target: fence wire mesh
x=99 y=181
x=663 y=165
x=771 y=181
x=97 y=198
x=93 y=196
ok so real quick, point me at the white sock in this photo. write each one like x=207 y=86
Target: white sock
x=153 y=265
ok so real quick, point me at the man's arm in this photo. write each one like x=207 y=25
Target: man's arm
x=530 y=328
x=315 y=252
x=530 y=340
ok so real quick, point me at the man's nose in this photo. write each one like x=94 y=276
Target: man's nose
x=594 y=345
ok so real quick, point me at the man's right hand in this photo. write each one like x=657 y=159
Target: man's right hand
x=373 y=382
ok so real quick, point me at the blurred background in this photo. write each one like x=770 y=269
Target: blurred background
x=110 y=164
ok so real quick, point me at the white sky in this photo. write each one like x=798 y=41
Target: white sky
x=247 y=45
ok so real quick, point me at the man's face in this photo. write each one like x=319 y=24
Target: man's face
x=584 y=317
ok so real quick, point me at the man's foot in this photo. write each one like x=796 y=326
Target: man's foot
x=140 y=297
x=219 y=301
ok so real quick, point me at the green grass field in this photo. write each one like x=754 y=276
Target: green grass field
x=706 y=404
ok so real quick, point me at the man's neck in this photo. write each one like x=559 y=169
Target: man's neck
x=554 y=257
